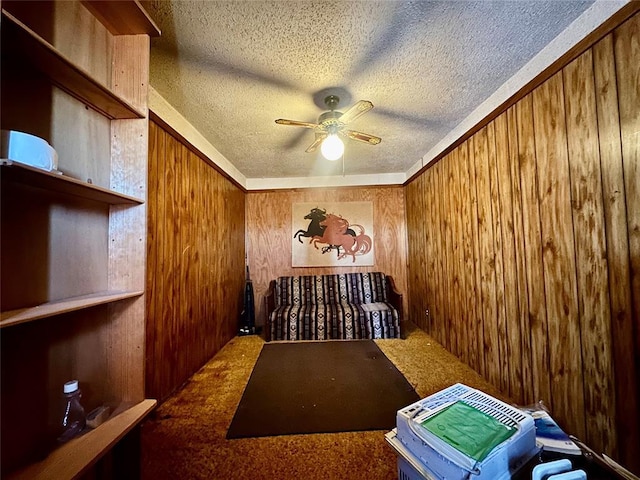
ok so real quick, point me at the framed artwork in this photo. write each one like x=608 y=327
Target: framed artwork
x=332 y=234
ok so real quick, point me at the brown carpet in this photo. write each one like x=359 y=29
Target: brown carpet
x=186 y=437
x=321 y=387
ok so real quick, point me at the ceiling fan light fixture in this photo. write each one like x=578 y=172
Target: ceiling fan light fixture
x=330 y=124
x=332 y=148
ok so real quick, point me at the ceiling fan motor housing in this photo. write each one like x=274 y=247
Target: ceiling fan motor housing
x=332 y=101
x=328 y=118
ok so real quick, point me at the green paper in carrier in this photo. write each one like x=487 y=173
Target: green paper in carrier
x=468 y=430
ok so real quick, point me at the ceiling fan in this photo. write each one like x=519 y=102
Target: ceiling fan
x=331 y=124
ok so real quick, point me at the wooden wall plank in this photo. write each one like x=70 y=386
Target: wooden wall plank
x=152 y=244
x=533 y=251
x=455 y=294
x=462 y=320
x=417 y=283
x=520 y=323
x=501 y=345
x=155 y=326
x=441 y=306
x=590 y=250
x=237 y=222
x=451 y=255
x=426 y=257
x=478 y=327
x=432 y=208
x=184 y=327
x=487 y=257
x=558 y=254
x=469 y=224
x=431 y=187
x=424 y=289
x=510 y=355
x=218 y=296
x=198 y=273
x=448 y=295
x=429 y=239
x=443 y=255
x=429 y=232
x=199 y=309
x=430 y=254
x=411 y=198
x=170 y=305
x=461 y=285
x=617 y=242
x=627 y=54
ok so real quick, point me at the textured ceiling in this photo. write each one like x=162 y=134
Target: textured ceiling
x=232 y=67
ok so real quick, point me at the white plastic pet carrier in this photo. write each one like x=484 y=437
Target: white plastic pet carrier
x=425 y=455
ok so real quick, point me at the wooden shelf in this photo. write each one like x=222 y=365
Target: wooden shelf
x=50 y=309
x=78 y=455
x=56 y=182
x=79 y=70
x=126 y=17
x=25 y=44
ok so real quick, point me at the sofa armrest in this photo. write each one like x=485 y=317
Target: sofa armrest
x=395 y=297
x=269 y=306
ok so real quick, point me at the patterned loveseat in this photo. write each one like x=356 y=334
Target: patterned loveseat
x=325 y=307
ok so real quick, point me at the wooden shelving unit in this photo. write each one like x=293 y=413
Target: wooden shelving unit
x=76 y=457
x=57 y=182
x=50 y=309
x=128 y=18
x=74 y=249
x=28 y=45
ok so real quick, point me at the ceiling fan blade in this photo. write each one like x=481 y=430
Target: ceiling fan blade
x=362 y=137
x=316 y=143
x=295 y=123
x=357 y=110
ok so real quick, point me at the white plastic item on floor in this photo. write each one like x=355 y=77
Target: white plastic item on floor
x=27 y=149
x=440 y=460
x=550 y=468
x=572 y=475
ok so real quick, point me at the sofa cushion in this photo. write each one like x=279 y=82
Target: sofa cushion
x=295 y=290
x=362 y=287
x=379 y=320
x=307 y=289
x=299 y=322
x=331 y=289
x=344 y=321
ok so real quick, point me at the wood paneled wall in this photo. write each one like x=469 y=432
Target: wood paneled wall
x=195 y=262
x=269 y=234
x=524 y=247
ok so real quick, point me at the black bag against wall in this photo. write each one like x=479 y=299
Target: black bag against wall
x=248 y=315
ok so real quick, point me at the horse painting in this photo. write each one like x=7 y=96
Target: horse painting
x=316 y=215
x=338 y=234
x=315 y=228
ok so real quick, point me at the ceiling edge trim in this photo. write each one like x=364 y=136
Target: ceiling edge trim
x=169 y=115
x=590 y=20
x=325 y=182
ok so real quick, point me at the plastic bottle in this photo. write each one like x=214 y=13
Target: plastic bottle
x=74 y=418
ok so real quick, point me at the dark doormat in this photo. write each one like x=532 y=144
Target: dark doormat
x=321 y=387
